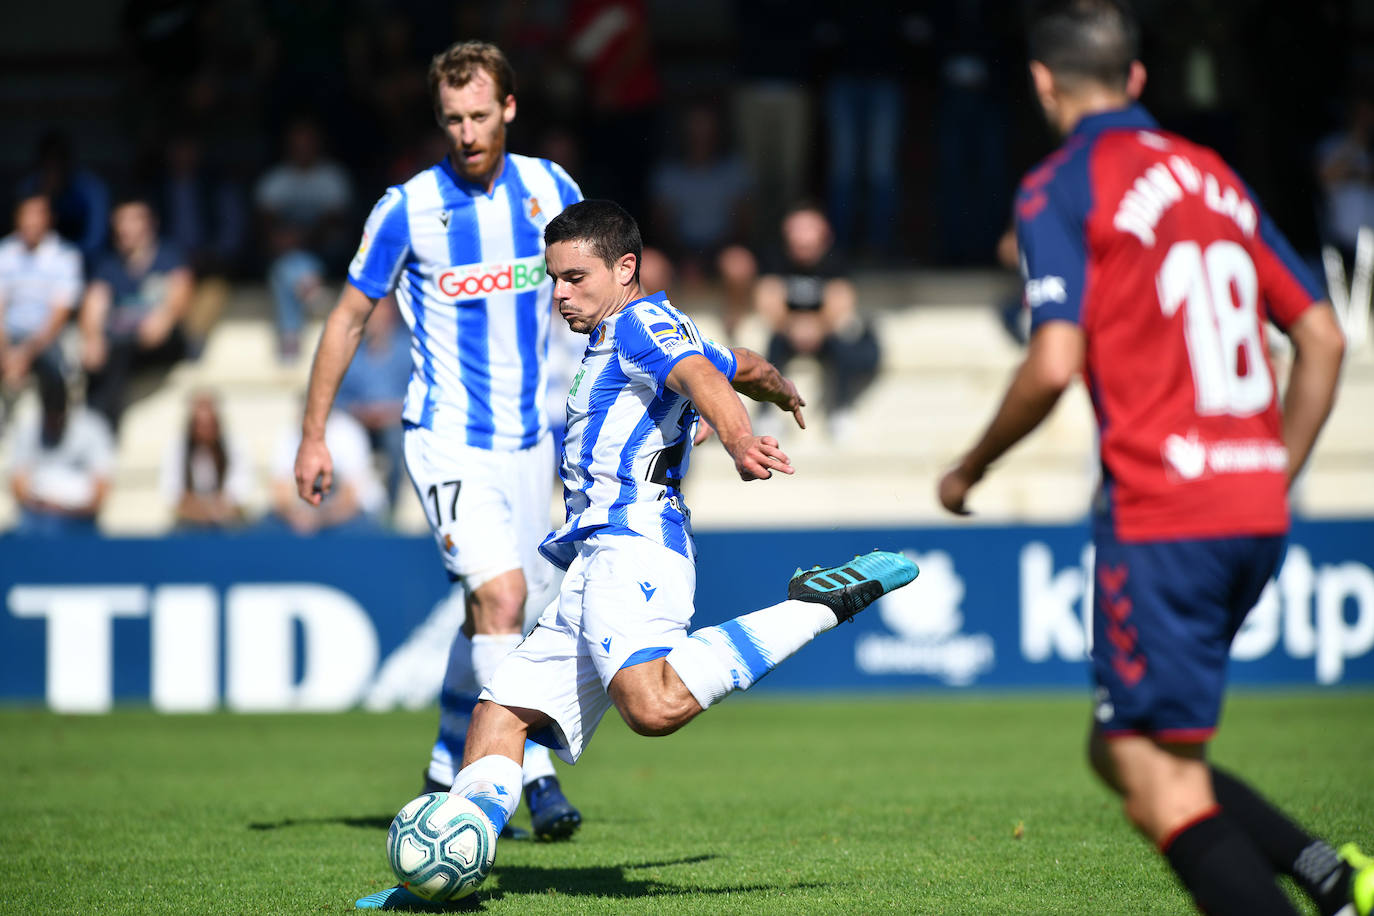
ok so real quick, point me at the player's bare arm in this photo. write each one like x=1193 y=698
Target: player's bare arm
x=1053 y=359
x=343 y=331
x=758 y=379
x=1319 y=347
x=756 y=457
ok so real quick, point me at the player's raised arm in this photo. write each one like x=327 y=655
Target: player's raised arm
x=343 y=330
x=756 y=457
x=758 y=379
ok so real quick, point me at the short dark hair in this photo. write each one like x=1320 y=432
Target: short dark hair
x=611 y=230
x=457 y=66
x=1085 y=40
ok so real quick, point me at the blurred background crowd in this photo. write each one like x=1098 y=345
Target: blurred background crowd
x=188 y=179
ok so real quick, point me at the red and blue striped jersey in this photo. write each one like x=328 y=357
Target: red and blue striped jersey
x=1153 y=246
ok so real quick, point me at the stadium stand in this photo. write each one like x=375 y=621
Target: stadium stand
x=946 y=358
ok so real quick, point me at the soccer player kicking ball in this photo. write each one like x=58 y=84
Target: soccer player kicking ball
x=618 y=633
x=461 y=245
x=1150 y=266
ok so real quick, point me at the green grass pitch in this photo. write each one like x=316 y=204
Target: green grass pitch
x=917 y=804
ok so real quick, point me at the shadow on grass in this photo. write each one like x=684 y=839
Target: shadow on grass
x=611 y=881
x=379 y=822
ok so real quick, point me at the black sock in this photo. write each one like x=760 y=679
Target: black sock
x=1322 y=874
x=1223 y=870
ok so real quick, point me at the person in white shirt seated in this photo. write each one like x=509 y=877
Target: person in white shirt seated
x=40 y=282
x=62 y=464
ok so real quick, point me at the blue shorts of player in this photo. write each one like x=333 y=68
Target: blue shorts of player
x=1164 y=615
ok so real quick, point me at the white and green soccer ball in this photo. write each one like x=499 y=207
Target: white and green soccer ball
x=441 y=846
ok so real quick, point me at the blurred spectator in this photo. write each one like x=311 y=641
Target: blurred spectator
x=204 y=216
x=973 y=191
x=355 y=501
x=62 y=463
x=131 y=316
x=204 y=474
x=374 y=388
x=1345 y=168
x=701 y=212
x=808 y=302
x=776 y=48
x=302 y=202
x=40 y=281
x=80 y=200
x=610 y=39
x=869 y=46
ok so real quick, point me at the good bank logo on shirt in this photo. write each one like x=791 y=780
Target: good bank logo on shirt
x=472 y=281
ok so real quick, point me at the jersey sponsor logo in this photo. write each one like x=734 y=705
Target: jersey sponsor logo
x=473 y=281
x=1045 y=289
x=1189 y=458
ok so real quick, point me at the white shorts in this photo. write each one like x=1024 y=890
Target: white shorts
x=625 y=600
x=488 y=510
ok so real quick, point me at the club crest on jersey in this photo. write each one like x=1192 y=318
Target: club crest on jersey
x=536 y=213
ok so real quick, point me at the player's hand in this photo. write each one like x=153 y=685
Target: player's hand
x=757 y=457
x=314 y=470
x=791 y=401
x=953 y=489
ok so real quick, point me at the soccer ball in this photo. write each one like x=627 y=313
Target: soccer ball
x=441 y=846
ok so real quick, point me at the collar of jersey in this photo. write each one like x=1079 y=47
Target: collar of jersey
x=1133 y=115
x=657 y=298
x=468 y=186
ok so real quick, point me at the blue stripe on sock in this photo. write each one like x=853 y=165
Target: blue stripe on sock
x=746 y=649
x=493 y=809
x=646 y=655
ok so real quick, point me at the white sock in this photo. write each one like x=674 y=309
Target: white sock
x=493 y=784
x=488 y=649
x=734 y=655
x=538 y=763
x=456 y=699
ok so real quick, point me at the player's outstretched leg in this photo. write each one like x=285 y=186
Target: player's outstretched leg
x=714 y=661
x=850 y=587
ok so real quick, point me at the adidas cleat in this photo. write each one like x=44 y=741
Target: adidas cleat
x=1362 y=881
x=551 y=814
x=394 y=898
x=850 y=587
x=508 y=832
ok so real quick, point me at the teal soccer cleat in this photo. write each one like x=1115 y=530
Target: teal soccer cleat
x=850 y=587
x=394 y=898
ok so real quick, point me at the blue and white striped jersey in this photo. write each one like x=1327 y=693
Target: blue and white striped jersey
x=468 y=271
x=629 y=436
